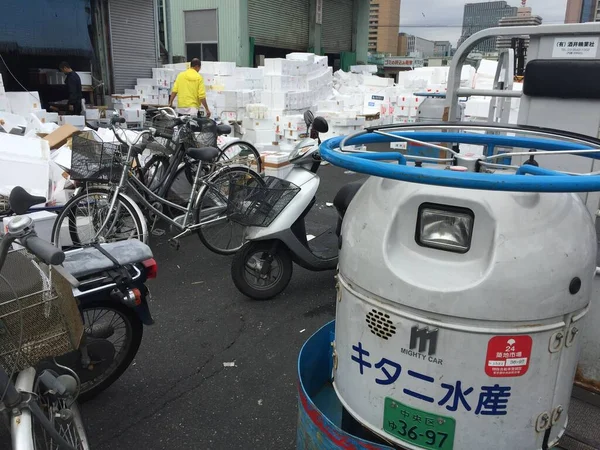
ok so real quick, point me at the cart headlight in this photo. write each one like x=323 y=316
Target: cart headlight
x=445 y=227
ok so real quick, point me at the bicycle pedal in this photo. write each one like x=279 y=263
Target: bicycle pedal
x=174 y=243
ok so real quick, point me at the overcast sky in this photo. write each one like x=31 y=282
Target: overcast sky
x=441 y=20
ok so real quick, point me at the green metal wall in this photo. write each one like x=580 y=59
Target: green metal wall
x=233 y=27
x=234 y=40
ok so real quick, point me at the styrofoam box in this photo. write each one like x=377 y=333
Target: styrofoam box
x=224 y=83
x=280 y=66
x=178 y=67
x=92 y=114
x=132 y=115
x=46 y=117
x=76 y=121
x=143 y=90
x=4 y=103
x=23 y=103
x=24 y=163
x=260 y=136
x=257 y=124
x=86 y=78
x=146 y=82
x=308 y=57
x=276 y=100
x=223 y=68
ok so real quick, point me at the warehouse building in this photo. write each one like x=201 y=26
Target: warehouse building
x=245 y=31
x=113 y=42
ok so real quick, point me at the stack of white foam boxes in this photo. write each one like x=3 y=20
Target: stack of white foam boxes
x=406 y=107
x=295 y=84
x=28 y=106
x=230 y=89
x=129 y=106
x=342 y=121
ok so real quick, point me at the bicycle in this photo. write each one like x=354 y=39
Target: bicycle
x=169 y=172
x=39 y=319
x=205 y=209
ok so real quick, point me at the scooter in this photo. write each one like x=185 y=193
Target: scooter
x=263 y=267
x=110 y=286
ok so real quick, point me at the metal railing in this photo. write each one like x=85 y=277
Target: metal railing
x=458 y=61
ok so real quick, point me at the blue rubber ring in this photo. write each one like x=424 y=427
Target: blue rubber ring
x=527 y=179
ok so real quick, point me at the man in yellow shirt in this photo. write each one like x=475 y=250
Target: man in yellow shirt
x=189 y=90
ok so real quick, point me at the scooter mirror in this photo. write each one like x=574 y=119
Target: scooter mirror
x=320 y=125
x=308 y=118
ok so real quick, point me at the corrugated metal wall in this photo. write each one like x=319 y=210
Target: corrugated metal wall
x=228 y=13
x=279 y=24
x=133 y=39
x=337 y=25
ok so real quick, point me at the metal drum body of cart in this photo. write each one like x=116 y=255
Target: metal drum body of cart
x=464 y=279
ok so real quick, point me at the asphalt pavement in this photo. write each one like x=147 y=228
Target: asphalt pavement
x=178 y=394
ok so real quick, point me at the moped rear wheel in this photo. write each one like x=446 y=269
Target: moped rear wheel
x=248 y=262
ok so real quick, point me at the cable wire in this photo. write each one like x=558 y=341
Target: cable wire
x=16 y=79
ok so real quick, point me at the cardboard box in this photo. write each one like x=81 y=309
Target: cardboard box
x=59 y=137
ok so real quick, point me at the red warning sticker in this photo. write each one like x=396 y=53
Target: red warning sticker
x=508 y=356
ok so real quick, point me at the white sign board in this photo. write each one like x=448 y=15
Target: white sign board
x=319 y=15
x=575 y=47
x=403 y=62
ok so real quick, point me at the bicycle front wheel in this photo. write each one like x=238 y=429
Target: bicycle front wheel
x=88 y=218
x=219 y=234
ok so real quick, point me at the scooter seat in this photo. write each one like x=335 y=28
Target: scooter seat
x=345 y=195
x=342 y=200
x=89 y=260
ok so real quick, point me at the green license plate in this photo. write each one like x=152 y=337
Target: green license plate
x=418 y=427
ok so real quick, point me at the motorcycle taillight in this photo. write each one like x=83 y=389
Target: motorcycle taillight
x=151 y=268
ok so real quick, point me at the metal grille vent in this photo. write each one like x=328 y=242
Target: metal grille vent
x=380 y=324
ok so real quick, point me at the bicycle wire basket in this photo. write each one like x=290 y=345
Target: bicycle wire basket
x=100 y=162
x=42 y=320
x=167 y=129
x=202 y=133
x=258 y=206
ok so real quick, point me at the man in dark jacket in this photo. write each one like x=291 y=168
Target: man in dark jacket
x=73 y=83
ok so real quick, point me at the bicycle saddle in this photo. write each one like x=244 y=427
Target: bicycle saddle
x=205 y=154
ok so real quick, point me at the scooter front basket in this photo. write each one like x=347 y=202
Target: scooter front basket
x=258 y=206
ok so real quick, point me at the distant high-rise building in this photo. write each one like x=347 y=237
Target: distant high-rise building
x=579 y=11
x=479 y=16
x=384 y=25
x=522 y=18
x=409 y=45
x=442 y=48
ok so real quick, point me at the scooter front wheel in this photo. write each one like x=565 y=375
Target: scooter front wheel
x=262 y=269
